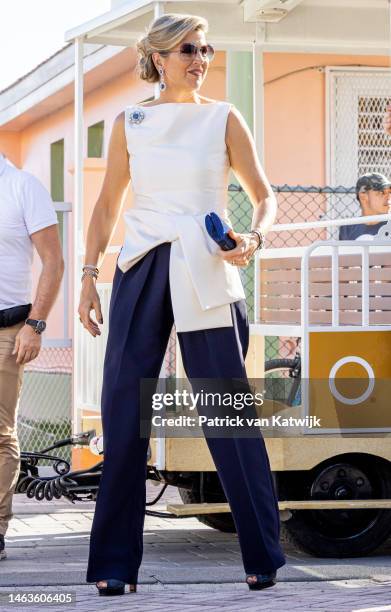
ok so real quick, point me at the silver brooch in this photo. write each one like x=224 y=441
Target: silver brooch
x=136 y=117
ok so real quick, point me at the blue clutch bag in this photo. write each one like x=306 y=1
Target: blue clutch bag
x=218 y=231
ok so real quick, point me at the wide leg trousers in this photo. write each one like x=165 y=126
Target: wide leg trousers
x=140 y=323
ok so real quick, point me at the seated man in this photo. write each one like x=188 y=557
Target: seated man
x=373 y=191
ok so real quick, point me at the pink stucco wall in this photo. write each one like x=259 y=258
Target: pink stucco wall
x=295 y=146
x=10 y=146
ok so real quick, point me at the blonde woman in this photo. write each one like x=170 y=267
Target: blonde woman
x=176 y=151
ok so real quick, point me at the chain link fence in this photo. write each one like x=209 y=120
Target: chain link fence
x=296 y=204
x=44 y=411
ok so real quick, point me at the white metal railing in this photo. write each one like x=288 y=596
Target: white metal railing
x=291 y=227
x=65 y=208
x=299 y=251
x=91 y=357
x=337 y=248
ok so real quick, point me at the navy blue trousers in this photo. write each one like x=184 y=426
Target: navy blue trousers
x=140 y=323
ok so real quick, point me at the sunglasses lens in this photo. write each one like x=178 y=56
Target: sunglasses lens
x=210 y=52
x=189 y=50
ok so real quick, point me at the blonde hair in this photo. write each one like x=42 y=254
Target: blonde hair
x=163 y=34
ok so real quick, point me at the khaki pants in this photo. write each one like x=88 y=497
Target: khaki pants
x=10 y=383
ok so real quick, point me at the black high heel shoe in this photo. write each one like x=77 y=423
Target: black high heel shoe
x=256 y=582
x=115 y=587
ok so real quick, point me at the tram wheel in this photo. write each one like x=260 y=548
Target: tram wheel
x=339 y=533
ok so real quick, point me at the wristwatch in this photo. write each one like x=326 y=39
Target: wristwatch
x=38 y=326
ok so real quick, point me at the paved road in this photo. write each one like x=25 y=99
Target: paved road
x=186 y=566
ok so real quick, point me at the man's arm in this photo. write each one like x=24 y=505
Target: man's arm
x=47 y=243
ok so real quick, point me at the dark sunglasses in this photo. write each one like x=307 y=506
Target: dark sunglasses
x=188 y=51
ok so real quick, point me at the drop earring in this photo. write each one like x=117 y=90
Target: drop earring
x=162 y=84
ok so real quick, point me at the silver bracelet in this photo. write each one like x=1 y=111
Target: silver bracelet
x=90 y=267
x=261 y=238
x=89 y=272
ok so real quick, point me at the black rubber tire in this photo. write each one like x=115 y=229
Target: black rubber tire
x=212 y=492
x=337 y=533
x=279 y=364
x=289 y=392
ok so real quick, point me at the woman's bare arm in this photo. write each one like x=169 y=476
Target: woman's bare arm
x=249 y=172
x=108 y=205
x=103 y=221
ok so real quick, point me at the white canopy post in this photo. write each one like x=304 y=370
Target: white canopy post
x=78 y=238
x=258 y=129
x=158 y=11
x=160 y=463
x=258 y=90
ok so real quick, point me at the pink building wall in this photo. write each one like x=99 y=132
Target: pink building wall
x=295 y=114
x=10 y=146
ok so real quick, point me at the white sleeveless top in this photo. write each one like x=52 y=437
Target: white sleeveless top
x=179 y=168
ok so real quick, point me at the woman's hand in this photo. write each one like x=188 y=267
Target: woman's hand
x=246 y=246
x=89 y=300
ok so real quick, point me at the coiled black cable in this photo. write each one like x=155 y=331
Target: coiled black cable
x=80 y=485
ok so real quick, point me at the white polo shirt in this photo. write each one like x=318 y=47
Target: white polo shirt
x=25 y=207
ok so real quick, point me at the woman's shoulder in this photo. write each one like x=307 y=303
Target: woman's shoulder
x=211 y=101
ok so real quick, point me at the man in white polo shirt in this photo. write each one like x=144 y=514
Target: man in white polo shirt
x=27 y=220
